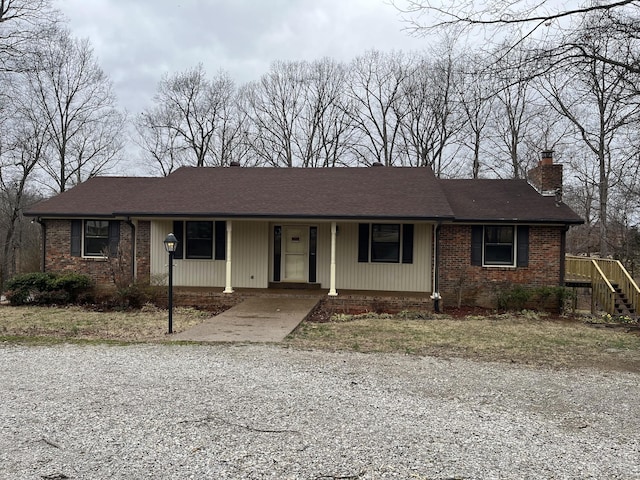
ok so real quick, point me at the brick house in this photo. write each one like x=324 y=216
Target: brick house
x=392 y=229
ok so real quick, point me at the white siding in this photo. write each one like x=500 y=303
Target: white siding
x=352 y=275
x=252 y=256
x=249 y=258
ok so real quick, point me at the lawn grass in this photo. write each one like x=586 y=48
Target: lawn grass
x=37 y=324
x=511 y=338
x=524 y=339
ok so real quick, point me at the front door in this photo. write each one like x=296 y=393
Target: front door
x=295 y=252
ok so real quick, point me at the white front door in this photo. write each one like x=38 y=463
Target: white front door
x=295 y=253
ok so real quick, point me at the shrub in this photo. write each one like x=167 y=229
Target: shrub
x=131 y=296
x=539 y=298
x=73 y=283
x=514 y=298
x=47 y=288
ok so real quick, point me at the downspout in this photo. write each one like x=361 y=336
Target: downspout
x=43 y=226
x=133 y=249
x=435 y=296
x=563 y=253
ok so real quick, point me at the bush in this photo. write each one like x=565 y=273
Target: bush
x=514 y=298
x=539 y=298
x=47 y=288
x=132 y=296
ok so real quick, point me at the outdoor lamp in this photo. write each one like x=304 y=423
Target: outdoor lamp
x=170 y=245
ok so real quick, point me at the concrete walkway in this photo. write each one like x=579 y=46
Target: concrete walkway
x=256 y=319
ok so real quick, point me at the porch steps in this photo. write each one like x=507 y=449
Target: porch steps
x=294 y=286
x=613 y=289
x=622 y=304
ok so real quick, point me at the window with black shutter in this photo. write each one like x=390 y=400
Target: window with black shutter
x=96 y=238
x=385 y=243
x=200 y=240
x=500 y=245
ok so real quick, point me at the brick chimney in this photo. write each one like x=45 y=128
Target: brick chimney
x=546 y=177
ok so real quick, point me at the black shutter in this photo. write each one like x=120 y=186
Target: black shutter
x=363 y=242
x=220 y=240
x=114 y=237
x=178 y=231
x=407 y=243
x=76 y=238
x=277 y=252
x=476 y=244
x=313 y=247
x=522 y=259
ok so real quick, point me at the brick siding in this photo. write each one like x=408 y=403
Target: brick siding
x=103 y=271
x=143 y=251
x=478 y=285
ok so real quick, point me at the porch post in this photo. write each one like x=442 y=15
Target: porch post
x=227 y=287
x=332 y=277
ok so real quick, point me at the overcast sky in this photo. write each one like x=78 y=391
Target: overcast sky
x=136 y=41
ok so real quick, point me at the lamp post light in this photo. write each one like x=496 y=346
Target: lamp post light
x=170 y=245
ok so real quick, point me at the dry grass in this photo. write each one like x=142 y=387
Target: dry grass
x=522 y=339
x=536 y=341
x=74 y=323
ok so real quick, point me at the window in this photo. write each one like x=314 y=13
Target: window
x=385 y=243
x=200 y=240
x=96 y=237
x=500 y=245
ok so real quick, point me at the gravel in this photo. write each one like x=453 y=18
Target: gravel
x=266 y=412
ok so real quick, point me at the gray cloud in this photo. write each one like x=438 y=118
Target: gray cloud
x=137 y=41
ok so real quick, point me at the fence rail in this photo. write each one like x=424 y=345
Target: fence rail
x=609 y=280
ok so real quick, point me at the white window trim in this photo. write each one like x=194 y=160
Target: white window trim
x=82 y=241
x=400 y=241
x=515 y=248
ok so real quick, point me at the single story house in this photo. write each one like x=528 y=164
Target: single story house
x=397 y=229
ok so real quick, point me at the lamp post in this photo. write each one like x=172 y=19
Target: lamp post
x=170 y=245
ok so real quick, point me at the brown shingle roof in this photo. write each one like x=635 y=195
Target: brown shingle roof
x=381 y=192
x=97 y=196
x=486 y=200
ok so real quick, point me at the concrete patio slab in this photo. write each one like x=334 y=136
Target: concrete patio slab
x=256 y=319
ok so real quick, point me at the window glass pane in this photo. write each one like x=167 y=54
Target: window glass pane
x=385 y=242
x=199 y=243
x=96 y=237
x=498 y=245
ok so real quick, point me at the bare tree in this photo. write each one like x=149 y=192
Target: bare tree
x=75 y=100
x=163 y=152
x=475 y=93
x=376 y=90
x=324 y=125
x=274 y=106
x=494 y=19
x=298 y=115
x=188 y=123
x=22 y=24
x=431 y=114
x=594 y=97
x=25 y=141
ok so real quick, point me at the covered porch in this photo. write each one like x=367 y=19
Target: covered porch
x=318 y=257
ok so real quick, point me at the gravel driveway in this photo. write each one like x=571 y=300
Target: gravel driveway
x=255 y=412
